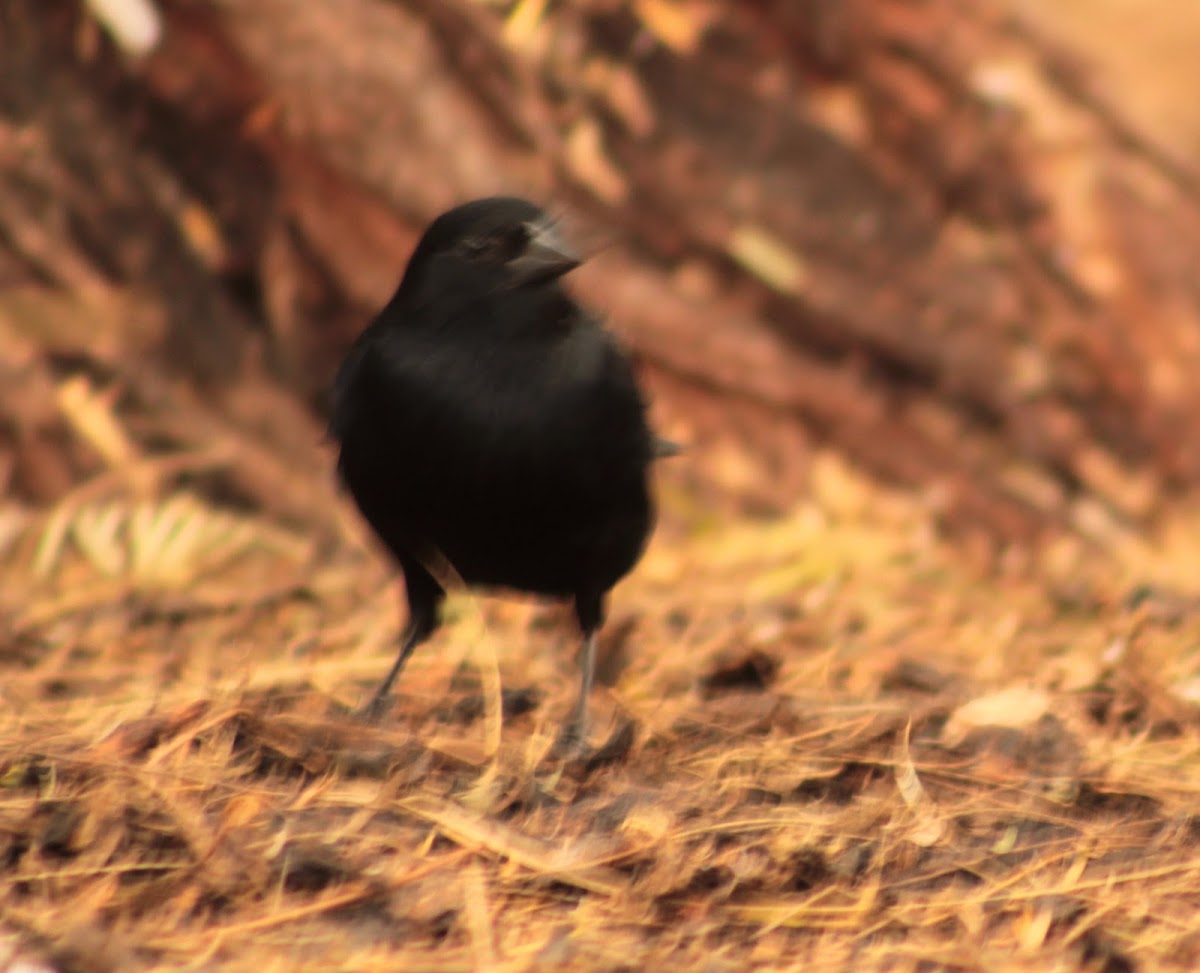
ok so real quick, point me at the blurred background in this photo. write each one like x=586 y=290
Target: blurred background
x=955 y=243
x=908 y=677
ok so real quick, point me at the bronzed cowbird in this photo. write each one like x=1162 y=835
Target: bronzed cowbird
x=489 y=424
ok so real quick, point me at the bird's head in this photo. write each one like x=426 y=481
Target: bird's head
x=507 y=240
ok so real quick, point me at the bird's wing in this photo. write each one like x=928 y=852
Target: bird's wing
x=346 y=389
x=566 y=409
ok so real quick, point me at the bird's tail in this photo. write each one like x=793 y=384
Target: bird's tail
x=665 y=449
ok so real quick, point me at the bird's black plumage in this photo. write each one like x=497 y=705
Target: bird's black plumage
x=487 y=422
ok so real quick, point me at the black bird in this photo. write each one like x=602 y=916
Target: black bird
x=488 y=423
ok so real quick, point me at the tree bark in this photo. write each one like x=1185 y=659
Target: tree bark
x=911 y=230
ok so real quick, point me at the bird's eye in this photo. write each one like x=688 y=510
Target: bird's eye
x=479 y=246
x=515 y=240
x=500 y=245
x=476 y=248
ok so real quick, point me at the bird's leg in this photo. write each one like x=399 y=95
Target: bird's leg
x=424 y=604
x=374 y=709
x=574 y=732
x=589 y=610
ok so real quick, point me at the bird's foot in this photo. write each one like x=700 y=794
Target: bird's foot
x=374 y=710
x=571 y=743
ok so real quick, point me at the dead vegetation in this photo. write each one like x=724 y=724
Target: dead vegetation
x=831 y=735
x=836 y=745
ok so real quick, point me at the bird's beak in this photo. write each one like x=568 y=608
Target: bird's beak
x=544 y=258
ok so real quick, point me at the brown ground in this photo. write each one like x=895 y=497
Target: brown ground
x=835 y=740
x=852 y=749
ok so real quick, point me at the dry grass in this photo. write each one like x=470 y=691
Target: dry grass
x=853 y=749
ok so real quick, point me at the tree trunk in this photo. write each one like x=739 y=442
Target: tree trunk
x=910 y=230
